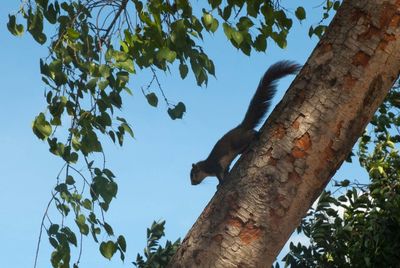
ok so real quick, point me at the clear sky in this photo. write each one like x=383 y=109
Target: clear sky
x=152 y=169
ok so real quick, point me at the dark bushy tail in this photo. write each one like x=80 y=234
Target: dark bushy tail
x=266 y=90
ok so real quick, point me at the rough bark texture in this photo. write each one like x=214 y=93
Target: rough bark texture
x=303 y=143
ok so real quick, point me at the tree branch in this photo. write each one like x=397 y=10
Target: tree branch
x=121 y=8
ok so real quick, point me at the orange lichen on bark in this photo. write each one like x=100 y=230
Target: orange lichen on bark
x=249 y=233
x=297 y=153
x=301 y=145
x=361 y=58
x=304 y=142
x=296 y=123
x=387 y=38
x=395 y=21
x=387 y=14
x=235 y=222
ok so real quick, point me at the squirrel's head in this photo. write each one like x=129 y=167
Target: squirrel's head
x=197 y=174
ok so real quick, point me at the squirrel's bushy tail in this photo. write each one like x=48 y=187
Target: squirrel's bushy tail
x=266 y=90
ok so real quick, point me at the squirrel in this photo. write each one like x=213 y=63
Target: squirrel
x=237 y=140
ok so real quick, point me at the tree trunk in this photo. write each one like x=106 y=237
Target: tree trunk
x=303 y=143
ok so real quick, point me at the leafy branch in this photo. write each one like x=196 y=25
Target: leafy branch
x=95 y=49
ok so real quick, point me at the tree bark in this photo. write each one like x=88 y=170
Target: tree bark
x=303 y=143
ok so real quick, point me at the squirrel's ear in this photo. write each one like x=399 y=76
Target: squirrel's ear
x=193 y=165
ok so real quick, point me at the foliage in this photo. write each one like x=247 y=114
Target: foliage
x=360 y=228
x=156 y=255
x=320 y=29
x=95 y=48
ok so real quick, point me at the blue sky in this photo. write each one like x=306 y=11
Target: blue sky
x=152 y=169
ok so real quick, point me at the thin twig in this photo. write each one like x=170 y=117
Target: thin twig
x=121 y=8
x=41 y=229
x=159 y=85
x=80 y=249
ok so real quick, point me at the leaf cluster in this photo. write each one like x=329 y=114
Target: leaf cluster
x=95 y=49
x=155 y=255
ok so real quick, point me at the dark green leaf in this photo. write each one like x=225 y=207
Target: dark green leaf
x=13 y=27
x=41 y=127
x=300 y=13
x=152 y=99
x=177 y=112
x=183 y=70
x=122 y=243
x=166 y=54
x=108 y=249
x=53 y=229
x=69 y=180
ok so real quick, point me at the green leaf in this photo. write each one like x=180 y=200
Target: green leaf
x=53 y=229
x=319 y=30
x=336 y=5
x=71 y=237
x=108 y=249
x=87 y=204
x=92 y=83
x=300 y=13
x=108 y=229
x=90 y=143
x=13 y=27
x=122 y=243
x=127 y=90
x=126 y=65
x=244 y=24
x=62 y=187
x=166 y=54
x=207 y=20
x=345 y=183
x=214 y=25
x=53 y=242
x=183 y=70
x=238 y=37
x=227 y=30
x=41 y=127
x=119 y=56
x=103 y=84
x=122 y=79
x=42 y=3
x=104 y=71
x=69 y=180
x=81 y=222
x=128 y=129
x=177 y=112
x=72 y=33
x=152 y=99
x=35 y=26
x=51 y=14
x=227 y=12
x=260 y=44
